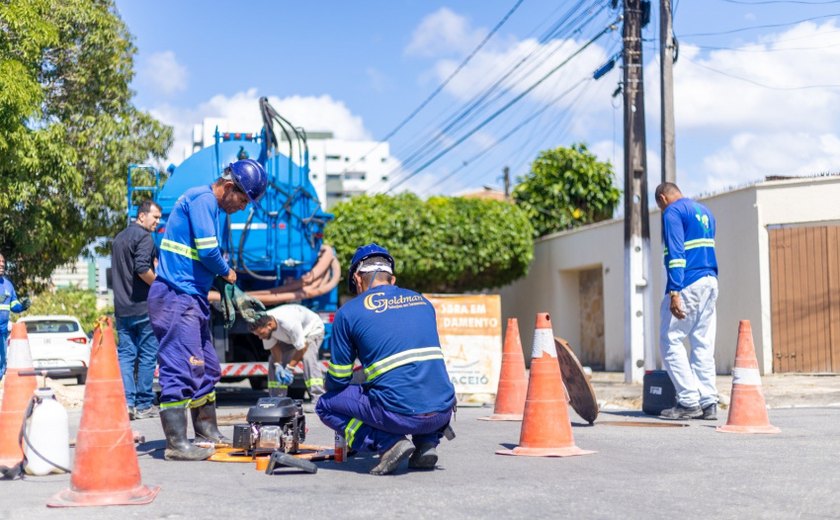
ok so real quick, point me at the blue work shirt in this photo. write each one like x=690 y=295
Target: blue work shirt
x=688 y=235
x=8 y=303
x=393 y=332
x=190 y=257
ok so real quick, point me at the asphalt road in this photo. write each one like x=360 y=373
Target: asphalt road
x=637 y=472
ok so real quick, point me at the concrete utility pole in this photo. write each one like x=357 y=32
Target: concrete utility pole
x=506 y=177
x=666 y=83
x=639 y=352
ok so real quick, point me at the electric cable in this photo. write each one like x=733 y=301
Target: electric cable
x=505 y=107
x=767 y=26
x=758 y=84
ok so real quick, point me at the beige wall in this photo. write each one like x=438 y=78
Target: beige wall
x=742 y=249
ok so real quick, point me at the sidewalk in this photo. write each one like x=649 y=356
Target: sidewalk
x=780 y=390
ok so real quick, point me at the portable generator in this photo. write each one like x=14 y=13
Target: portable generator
x=274 y=424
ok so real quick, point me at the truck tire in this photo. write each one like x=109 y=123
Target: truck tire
x=259 y=382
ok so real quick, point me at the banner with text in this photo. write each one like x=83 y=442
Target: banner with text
x=470 y=329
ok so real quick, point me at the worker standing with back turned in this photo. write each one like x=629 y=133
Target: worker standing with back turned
x=688 y=308
x=406 y=389
x=190 y=258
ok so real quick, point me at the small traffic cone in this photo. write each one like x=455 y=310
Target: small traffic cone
x=546 y=428
x=106 y=471
x=17 y=391
x=747 y=410
x=513 y=386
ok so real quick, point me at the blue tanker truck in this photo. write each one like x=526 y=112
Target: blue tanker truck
x=276 y=247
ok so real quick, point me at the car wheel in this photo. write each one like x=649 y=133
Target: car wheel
x=81 y=379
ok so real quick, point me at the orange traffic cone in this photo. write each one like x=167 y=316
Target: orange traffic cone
x=513 y=386
x=747 y=411
x=17 y=391
x=546 y=428
x=106 y=471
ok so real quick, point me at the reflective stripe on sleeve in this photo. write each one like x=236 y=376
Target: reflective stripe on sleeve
x=340 y=370
x=680 y=262
x=403 y=358
x=178 y=249
x=206 y=243
x=5 y=307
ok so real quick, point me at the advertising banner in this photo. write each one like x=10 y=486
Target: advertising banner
x=470 y=329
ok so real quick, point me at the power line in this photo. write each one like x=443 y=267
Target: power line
x=758 y=84
x=783 y=49
x=767 y=26
x=505 y=107
x=480 y=102
x=766 y=2
x=511 y=132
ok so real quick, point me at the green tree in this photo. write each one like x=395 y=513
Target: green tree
x=566 y=188
x=74 y=302
x=68 y=130
x=445 y=244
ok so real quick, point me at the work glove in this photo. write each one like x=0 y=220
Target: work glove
x=25 y=302
x=283 y=375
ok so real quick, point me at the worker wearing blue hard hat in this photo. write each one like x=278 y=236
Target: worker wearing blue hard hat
x=190 y=258
x=406 y=390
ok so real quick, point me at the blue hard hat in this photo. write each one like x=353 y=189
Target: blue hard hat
x=362 y=254
x=249 y=176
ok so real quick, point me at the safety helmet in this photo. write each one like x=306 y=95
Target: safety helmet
x=362 y=254
x=249 y=176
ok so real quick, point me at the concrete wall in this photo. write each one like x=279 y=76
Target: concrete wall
x=741 y=246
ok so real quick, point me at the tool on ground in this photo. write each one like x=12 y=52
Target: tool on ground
x=105 y=470
x=546 y=428
x=278 y=458
x=747 y=410
x=513 y=382
x=275 y=423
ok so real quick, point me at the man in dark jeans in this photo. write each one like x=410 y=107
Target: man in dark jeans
x=132 y=267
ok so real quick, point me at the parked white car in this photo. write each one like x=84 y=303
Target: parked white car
x=58 y=341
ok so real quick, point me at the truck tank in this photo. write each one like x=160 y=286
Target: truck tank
x=276 y=246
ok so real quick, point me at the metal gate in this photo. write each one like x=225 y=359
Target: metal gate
x=805 y=297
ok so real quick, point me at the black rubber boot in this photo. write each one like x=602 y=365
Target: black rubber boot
x=205 y=425
x=390 y=460
x=178 y=446
x=424 y=457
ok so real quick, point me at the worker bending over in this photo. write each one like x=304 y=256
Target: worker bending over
x=406 y=389
x=294 y=335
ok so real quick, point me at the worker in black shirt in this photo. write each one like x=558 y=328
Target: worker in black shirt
x=133 y=271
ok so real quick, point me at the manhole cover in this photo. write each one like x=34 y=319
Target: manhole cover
x=644 y=424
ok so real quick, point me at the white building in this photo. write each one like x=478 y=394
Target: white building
x=83 y=274
x=339 y=169
x=778 y=250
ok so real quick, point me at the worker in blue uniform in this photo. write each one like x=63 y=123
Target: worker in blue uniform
x=8 y=303
x=406 y=389
x=190 y=258
x=688 y=308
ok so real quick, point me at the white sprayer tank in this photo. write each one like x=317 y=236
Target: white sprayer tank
x=48 y=433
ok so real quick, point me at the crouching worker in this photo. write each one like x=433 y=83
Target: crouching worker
x=406 y=389
x=294 y=335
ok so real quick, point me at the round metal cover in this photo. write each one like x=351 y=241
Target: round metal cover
x=581 y=394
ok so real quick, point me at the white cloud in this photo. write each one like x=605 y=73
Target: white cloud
x=444 y=33
x=241 y=111
x=708 y=99
x=162 y=73
x=751 y=156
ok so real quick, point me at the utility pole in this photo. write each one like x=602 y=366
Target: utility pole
x=666 y=84
x=638 y=324
x=506 y=177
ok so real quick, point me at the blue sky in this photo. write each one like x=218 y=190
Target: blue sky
x=758 y=96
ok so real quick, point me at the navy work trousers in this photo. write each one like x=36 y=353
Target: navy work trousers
x=367 y=426
x=189 y=367
x=137 y=353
